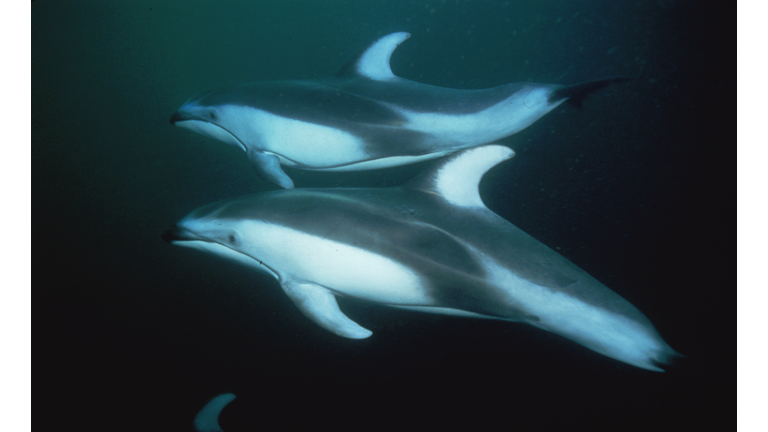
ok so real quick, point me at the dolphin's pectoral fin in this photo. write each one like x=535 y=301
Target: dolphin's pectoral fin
x=319 y=305
x=268 y=167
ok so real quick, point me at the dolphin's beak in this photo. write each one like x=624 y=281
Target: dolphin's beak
x=176 y=234
x=177 y=117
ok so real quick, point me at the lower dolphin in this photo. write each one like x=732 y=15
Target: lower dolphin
x=366 y=117
x=430 y=245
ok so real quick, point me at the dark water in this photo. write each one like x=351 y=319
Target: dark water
x=135 y=334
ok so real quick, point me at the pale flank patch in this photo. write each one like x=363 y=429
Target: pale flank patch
x=613 y=335
x=297 y=141
x=505 y=118
x=340 y=267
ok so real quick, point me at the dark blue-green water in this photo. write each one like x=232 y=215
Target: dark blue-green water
x=635 y=188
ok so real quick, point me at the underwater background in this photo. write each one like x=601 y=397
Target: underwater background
x=136 y=334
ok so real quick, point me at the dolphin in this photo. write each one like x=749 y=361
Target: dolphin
x=429 y=245
x=366 y=117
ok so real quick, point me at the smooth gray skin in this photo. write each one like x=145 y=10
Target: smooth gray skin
x=430 y=245
x=365 y=117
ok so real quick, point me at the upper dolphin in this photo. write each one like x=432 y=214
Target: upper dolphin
x=430 y=245
x=365 y=117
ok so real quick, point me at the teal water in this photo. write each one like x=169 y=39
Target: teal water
x=634 y=188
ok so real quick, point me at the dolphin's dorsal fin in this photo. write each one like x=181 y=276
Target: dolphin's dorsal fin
x=456 y=177
x=319 y=304
x=374 y=61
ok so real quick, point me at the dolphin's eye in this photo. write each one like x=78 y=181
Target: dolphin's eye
x=212 y=115
x=232 y=239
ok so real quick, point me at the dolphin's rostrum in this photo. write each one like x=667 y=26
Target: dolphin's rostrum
x=430 y=245
x=366 y=117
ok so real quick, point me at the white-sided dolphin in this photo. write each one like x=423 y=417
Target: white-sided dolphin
x=430 y=245
x=365 y=117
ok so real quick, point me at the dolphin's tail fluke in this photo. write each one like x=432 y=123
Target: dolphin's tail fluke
x=207 y=420
x=669 y=360
x=575 y=94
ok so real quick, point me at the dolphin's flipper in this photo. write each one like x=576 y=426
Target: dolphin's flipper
x=578 y=92
x=268 y=167
x=319 y=305
x=207 y=420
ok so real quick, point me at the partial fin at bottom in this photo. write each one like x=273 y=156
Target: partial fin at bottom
x=207 y=420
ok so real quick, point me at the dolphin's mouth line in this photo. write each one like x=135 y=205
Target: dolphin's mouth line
x=245 y=149
x=178 y=234
x=178 y=118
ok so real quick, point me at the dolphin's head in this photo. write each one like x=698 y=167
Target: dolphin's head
x=229 y=229
x=202 y=114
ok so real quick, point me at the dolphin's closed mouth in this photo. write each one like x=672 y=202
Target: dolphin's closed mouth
x=176 y=234
x=177 y=117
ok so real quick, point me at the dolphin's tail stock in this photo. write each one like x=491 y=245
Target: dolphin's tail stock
x=669 y=360
x=575 y=94
x=674 y=362
x=207 y=420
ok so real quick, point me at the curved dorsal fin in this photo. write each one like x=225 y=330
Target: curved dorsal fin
x=374 y=61
x=456 y=177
